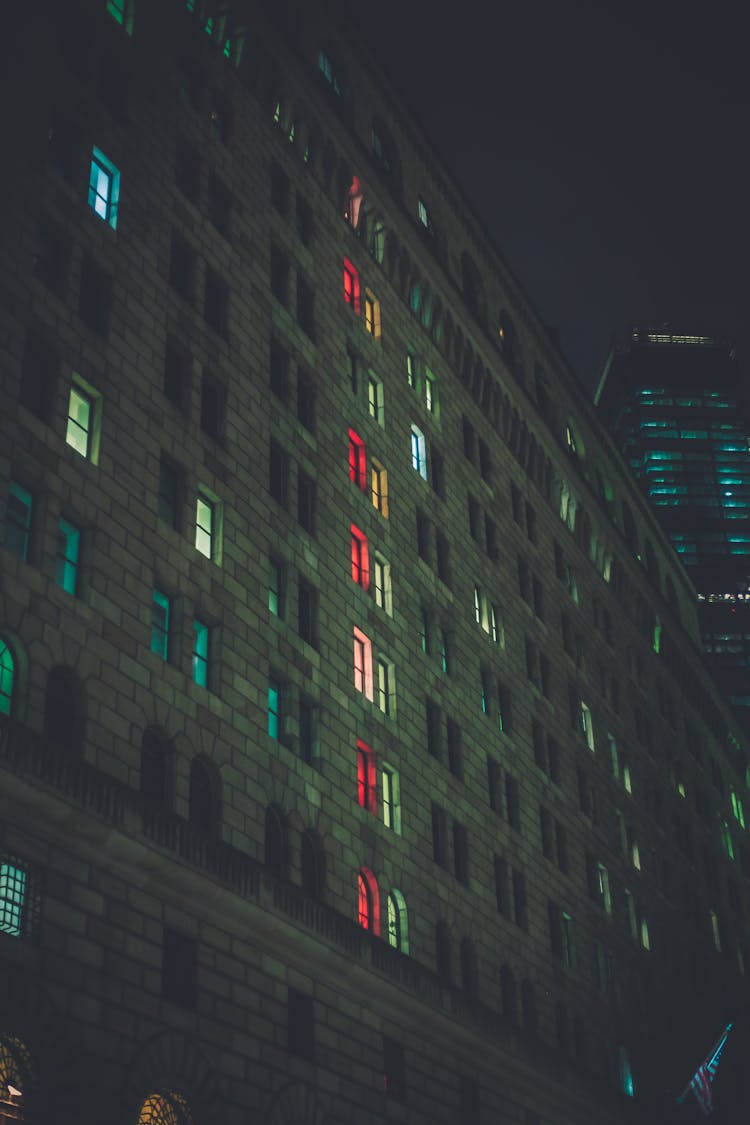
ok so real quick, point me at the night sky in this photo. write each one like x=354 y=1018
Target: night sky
x=605 y=147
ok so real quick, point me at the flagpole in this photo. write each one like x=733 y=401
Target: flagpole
x=700 y=1083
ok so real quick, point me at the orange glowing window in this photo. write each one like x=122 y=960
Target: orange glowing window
x=357 y=460
x=360 y=558
x=351 y=286
x=367 y=778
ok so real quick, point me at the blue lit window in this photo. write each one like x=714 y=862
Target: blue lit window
x=68 y=544
x=201 y=640
x=418 y=452
x=104 y=187
x=274 y=708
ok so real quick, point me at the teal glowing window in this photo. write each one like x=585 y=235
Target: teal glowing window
x=18 y=521
x=7 y=671
x=80 y=421
x=201 y=648
x=274 y=709
x=12 y=899
x=68 y=546
x=160 y=613
x=122 y=12
x=325 y=66
x=104 y=187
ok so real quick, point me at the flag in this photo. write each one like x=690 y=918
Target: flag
x=700 y=1083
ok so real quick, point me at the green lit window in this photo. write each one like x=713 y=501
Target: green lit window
x=274 y=708
x=104 y=187
x=201 y=650
x=737 y=810
x=398 y=933
x=160 y=611
x=275 y=588
x=12 y=898
x=122 y=12
x=726 y=837
x=7 y=671
x=68 y=546
x=80 y=421
x=205 y=527
x=18 y=521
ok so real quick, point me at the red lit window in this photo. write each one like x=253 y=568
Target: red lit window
x=367 y=779
x=357 y=460
x=351 y=286
x=354 y=203
x=360 y=558
x=368 y=903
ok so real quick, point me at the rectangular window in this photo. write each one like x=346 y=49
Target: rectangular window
x=430 y=392
x=278 y=473
x=300 y=1025
x=201 y=653
x=379 y=487
x=394 y=1070
x=433 y=720
x=501 y=885
x=276 y=587
x=175 y=375
x=411 y=371
x=279 y=276
x=305 y=399
x=213 y=406
x=418 y=452
x=305 y=308
x=381 y=573
x=18 y=521
x=104 y=187
x=372 y=314
x=182 y=266
x=306 y=502
x=274 y=708
x=386 y=686
x=520 y=909
x=439 y=842
x=219 y=204
x=179 y=967
x=455 y=748
x=169 y=500
x=279 y=189
x=460 y=852
x=278 y=373
x=587 y=727
x=308 y=730
x=391 y=798
x=307 y=613
x=375 y=398
x=363 y=677
x=160 y=623
x=442 y=552
x=13 y=889
x=351 y=286
x=68 y=546
x=38 y=377
x=357 y=460
x=367 y=792
x=187 y=169
x=360 y=558
x=53 y=252
x=303 y=220
x=206 y=530
x=216 y=302
x=80 y=431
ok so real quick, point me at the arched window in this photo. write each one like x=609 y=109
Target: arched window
x=201 y=805
x=15 y=1079
x=156 y=769
x=469 y=974
x=398 y=924
x=275 y=840
x=368 y=901
x=312 y=864
x=443 y=951
x=63 y=711
x=168 y=1108
x=7 y=672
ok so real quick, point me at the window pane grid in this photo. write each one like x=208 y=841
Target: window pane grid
x=68 y=542
x=18 y=522
x=19 y=898
x=200 y=653
x=204 y=527
x=78 y=433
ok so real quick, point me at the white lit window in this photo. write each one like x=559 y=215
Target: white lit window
x=104 y=187
x=418 y=452
x=375 y=398
x=430 y=392
x=363 y=679
x=386 y=686
x=391 y=798
x=206 y=527
x=587 y=726
x=602 y=884
x=82 y=432
x=381 y=580
x=411 y=371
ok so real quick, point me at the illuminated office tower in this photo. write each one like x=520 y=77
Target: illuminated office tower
x=353 y=768
x=676 y=408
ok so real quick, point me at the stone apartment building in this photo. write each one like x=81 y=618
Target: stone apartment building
x=357 y=761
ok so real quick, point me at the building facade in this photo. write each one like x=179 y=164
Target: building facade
x=676 y=409
x=353 y=766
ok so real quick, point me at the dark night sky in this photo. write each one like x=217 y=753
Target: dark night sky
x=603 y=145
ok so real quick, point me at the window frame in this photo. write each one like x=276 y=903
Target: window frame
x=67 y=561
x=104 y=206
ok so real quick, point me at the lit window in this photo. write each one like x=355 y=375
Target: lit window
x=382 y=583
x=104 y=187
x=368 y=904
x=165 y=1109
x=7 y=672
x=275 y=587
x=423 y=214
x=418 y=452
x=351 y=286
x=354 y=203
x=326 y=69
x=375 y=398
x=206 y=529
x=18 y=521
x=626 y=1074
x=121 y=12
x=398 y=931
x=477 y=605
x=372 y=314
x=603 y=888
x=80 y=429
x=430 y=392
x=715 y=932
x=391 y=799
x=386 y=686
x=160 y=611
x=12 y=898
x=201 y=650
x=737 y=809
x=357 y=460
x=587 y=726
x=367 y=790
x=379 y=487
x=360 y=558
x=411 y=371
x=363 y=679
x=645 y=935
x=274 y=709
x=68 y=544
